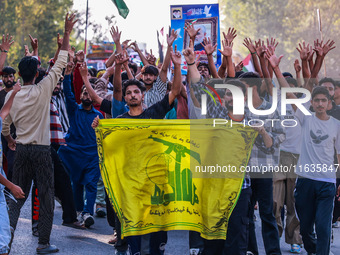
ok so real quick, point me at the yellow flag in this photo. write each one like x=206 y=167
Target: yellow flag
x=165 y=175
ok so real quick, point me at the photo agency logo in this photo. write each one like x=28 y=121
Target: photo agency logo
x=239 y=100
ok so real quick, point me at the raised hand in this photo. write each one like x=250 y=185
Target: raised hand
x=328 y=47
x=303 y=49
x=249 y=45
x=69 y=22
x=151 y=58
x=115 y=34
x=69 y=68
x=125 y=44
x=231 y=34
x=17 y=86
x=189 y=55
x=170 y=39
x=27 y=52
x=6 y=43
x=297 y=66
x=239 y=67
x=272 y=44
x=310 y=53
x=272 y=58
x=134 y=46
x=80 y=56
x=208 y=47
x=83 y=70
x=318 y=48
x=34 y=43
x=260 y=48
x=192 y=32
x=59 y=41
x=176 y=57
x=121 y=59
x=227 y=48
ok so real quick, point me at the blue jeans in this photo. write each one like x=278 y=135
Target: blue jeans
x=314 y=205
x=262 y=191
x=90 y=196
x=5 y=231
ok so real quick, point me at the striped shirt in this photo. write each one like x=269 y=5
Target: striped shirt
x=59 y=103
x=156 y=93
x=56 y=129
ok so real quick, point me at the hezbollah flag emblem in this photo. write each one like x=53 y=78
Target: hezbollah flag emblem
x=165 y=175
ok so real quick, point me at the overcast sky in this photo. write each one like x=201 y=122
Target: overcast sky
x=144 y=19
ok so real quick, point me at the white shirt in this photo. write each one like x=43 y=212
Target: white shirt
x=319 y=138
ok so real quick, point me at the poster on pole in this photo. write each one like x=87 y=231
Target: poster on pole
x=204 y=17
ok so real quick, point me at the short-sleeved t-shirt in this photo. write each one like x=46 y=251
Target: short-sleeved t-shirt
x=156 y=111
x=319 y=138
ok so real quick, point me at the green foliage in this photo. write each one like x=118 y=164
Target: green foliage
x=43 y=19
x=289 y=21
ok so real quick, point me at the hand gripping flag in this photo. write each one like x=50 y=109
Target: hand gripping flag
x=165 y=175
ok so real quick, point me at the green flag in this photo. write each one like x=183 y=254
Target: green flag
x=122 y=8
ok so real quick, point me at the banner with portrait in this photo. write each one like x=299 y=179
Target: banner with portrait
x=204 y=17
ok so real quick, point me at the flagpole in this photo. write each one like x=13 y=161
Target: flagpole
x=320 y=29
x=86 y=22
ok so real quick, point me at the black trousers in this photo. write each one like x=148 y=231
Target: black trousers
x=33 y=162
x=63 y=191
x=237 y=233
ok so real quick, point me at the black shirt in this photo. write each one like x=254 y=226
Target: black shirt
x=335 y=111
x=3 y=94
x=156 y=111
x=106 y=106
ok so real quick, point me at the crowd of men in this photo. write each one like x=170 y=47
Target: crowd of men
x=48 y=126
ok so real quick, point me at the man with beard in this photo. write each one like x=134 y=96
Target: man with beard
x=81 y=144
x=8 y=78
x=156 y=81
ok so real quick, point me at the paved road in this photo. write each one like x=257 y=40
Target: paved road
x=95 y=240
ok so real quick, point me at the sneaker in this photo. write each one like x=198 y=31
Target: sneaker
x=295 y=248
x=47 y=249
x=76 y=225
x=336 y=224
x=101 y=212
x=88 y=220
x=80 y=217
x=122 y=253
x=194 y=251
